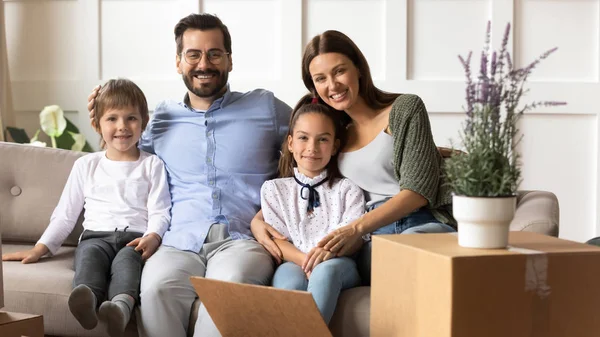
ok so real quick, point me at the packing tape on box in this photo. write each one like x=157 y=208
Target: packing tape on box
x=536 y=279
x=536 y=271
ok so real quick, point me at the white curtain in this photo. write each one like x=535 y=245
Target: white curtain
x=6 y=111
x=2 y=93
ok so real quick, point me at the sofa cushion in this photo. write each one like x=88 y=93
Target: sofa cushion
x=537 y=211
x=31 y=182
x=43 y=288
x=352 y=313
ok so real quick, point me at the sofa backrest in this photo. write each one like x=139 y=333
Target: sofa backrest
x=31 y=182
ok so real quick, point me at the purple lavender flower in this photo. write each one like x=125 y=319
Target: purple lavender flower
x=500 y=88
x=493 y=65
x=532 y=65
x=494 y=107
x=470 y=91
x=509 y=61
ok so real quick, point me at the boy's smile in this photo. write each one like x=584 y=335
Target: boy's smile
x=121 y=130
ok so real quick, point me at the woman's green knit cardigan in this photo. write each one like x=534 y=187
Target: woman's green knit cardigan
x=418 y=163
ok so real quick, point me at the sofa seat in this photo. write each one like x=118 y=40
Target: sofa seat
x=44 y=288
x=352 y=314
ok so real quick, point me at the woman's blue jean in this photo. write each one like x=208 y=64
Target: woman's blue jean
x=326 y=281
x=419 y=221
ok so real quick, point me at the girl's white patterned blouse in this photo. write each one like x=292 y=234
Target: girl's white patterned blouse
x=285 y=209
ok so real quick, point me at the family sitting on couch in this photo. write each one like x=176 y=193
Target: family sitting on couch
x=215 y=152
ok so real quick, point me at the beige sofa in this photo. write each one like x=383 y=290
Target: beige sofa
x=31 y=181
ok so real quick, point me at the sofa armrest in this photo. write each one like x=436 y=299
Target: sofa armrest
x=537 y=211
x=31 y=181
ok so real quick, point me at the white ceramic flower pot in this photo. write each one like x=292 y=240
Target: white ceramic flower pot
x=483 y=222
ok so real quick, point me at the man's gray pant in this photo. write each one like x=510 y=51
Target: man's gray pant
x=106 y=265
x=167 y=294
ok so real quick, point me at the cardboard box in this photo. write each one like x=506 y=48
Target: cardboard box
x=426 y=285
x=16 y=325
x=240 y=310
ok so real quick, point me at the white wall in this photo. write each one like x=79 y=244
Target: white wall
x=59 y=49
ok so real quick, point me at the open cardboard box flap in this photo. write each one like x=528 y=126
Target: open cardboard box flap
x=250 y=310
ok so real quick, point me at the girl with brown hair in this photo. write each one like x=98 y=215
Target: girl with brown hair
x=309 y=200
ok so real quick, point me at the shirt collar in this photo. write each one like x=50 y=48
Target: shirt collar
x=311 y=181
x=220 y=102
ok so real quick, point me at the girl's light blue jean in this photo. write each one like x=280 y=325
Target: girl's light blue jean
x=420 y=221
x=326 y=281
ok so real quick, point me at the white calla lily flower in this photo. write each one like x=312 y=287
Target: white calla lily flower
x=79 y=141
x=35 y=142
x=52 y=121
x=35 y=137
x=38 y=143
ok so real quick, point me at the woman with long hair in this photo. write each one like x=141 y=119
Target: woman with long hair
x=389 y=151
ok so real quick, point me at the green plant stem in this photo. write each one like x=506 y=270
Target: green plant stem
x=53 y=142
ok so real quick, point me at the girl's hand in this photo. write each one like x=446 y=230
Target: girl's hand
x=264 y=234
x=147 y=245
x=342 y=240
x=29 y=256
x=314 y=257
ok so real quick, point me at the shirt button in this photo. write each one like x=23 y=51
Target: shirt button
x=214 y=195
x=209 y=133
x=208 y=160
x=211 y=182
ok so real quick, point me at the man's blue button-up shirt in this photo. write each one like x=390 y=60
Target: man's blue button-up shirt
x=216 y=161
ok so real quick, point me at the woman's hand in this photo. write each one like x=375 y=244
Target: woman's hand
x=147 y=245
x=314 y=257
x=343 y=240
x=264 y=234
x=92 y=102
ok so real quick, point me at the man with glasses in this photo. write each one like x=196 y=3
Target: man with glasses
x=218 y=147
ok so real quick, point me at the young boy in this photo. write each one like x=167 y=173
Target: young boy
x=127 y=210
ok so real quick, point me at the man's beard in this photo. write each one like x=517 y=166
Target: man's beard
x=206 y=90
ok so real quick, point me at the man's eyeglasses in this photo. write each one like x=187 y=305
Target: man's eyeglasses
x=193 y=56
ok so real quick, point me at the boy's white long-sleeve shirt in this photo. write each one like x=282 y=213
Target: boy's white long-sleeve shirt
x=285 y=209
x=115 y=194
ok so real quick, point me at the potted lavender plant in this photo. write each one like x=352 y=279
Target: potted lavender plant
x=484 y=178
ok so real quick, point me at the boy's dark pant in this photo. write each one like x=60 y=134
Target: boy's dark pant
x=103 y=262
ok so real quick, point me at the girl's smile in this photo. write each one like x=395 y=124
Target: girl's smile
x=312 y=143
